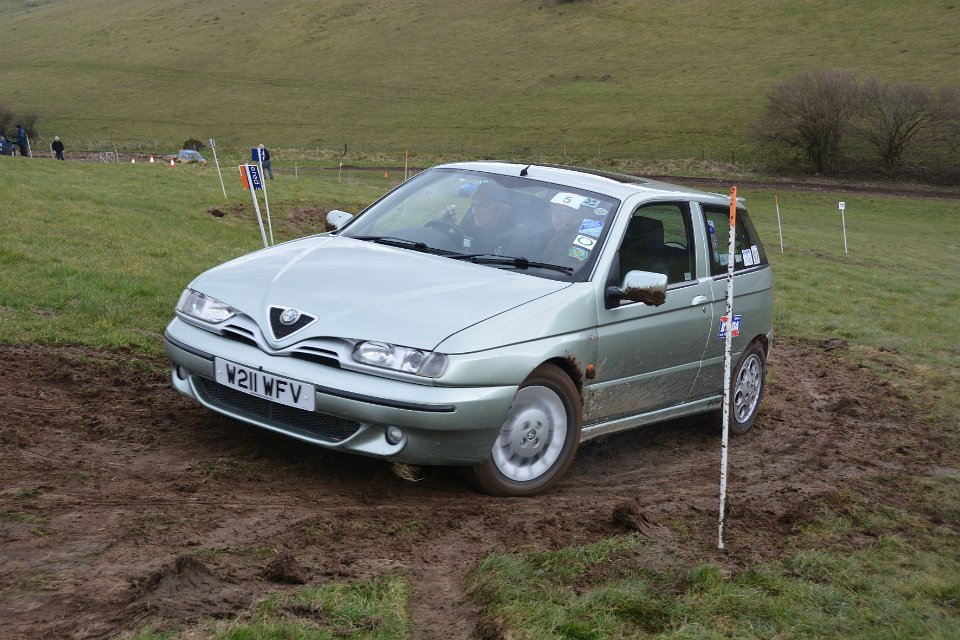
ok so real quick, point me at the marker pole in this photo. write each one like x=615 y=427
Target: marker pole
x=256 y=205
x=727 y=364
x=248 y=184
x=213 y=147
x=266 y=200
x=779 y=227
x=843 y=221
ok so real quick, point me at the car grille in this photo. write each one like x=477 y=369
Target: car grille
x=298 y=421
x=322 y=351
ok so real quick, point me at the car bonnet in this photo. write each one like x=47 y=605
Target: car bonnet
x=366 y=291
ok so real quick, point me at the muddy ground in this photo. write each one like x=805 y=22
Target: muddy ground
x=124 y=503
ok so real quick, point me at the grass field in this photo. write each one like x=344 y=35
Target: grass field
x=98 y=254
x=580 y=81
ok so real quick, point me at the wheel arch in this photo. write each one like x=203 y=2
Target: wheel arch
x=570 y=366
x=764 y=343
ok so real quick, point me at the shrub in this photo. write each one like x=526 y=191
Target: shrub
x=29 y=123
x=194 y=145
x=892 y=117
x=810 y=113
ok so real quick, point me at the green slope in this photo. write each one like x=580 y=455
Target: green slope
x=617 y=78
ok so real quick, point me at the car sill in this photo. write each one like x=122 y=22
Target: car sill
x=622 y=424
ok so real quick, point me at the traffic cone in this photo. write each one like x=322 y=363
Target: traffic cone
x=172 y=163
x=151 y=159
x=133 y=160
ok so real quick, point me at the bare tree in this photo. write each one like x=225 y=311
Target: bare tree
x=947 y=120
x=893 y=116
x=810 y=113
x=29 y=123
x=6 y=119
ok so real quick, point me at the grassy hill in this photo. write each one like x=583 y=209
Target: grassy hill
x=601 y=78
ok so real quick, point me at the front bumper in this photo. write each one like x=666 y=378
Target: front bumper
x=440 y=425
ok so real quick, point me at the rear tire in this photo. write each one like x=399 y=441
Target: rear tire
x=746 y=388
x=538 y=440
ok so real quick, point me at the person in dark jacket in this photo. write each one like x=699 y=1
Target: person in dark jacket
x=265 y=160
x=22 y=141
x=57 y=147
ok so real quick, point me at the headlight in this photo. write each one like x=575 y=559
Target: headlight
x=196 y=305
x=388 y=356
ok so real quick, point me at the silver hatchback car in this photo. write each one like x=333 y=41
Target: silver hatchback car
x=488 y=315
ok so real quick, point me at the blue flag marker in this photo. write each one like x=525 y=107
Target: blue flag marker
x=256 y=182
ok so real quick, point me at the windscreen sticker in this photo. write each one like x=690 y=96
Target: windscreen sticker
x=591 y=202
x=747 y=257
x=571 y=200
x=713 y=233
x=579 y=254
x=734 y=330
x=722 y=259
x=600 y=211
x=756 y=254
x=584 y=241
x=591 y=227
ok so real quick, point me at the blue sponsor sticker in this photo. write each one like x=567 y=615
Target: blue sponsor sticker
x=591 y=227
x=735 y=328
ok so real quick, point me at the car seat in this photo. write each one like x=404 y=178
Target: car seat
x=642 y=248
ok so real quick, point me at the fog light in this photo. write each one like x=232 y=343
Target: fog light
x=179 y=372
x=394 y=435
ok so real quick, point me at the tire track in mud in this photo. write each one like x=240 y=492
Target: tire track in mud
x=125 y=504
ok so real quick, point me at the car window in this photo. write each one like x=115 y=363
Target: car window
x=747 y=252
x=659 y=239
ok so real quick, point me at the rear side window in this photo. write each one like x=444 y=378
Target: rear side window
x=748 y=252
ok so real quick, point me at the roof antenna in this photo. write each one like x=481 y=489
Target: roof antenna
x=523 y=171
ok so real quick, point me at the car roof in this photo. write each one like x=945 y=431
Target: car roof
x=619 y=185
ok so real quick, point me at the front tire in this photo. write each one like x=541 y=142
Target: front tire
x=746 y=388
x=538 y=440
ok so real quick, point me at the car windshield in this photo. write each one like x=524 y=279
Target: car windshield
x=547 y=230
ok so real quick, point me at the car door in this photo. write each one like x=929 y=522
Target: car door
x=752 y=286
x=649 y=357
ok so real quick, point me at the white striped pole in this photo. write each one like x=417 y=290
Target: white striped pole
x=727 y=364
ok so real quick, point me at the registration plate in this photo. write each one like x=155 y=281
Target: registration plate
x=292 y=393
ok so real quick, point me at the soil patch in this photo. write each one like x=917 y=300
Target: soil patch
x=124 y=503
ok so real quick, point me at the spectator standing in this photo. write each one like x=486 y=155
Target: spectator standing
x=265 y=160
x=22 y=141
x=57 y=147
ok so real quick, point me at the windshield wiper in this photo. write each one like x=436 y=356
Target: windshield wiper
x=393 y=241
x=510 y=261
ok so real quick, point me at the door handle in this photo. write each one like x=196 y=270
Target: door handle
x=698 y=300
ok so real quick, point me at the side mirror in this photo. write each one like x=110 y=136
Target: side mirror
x=640 y=286
x=337 y=218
